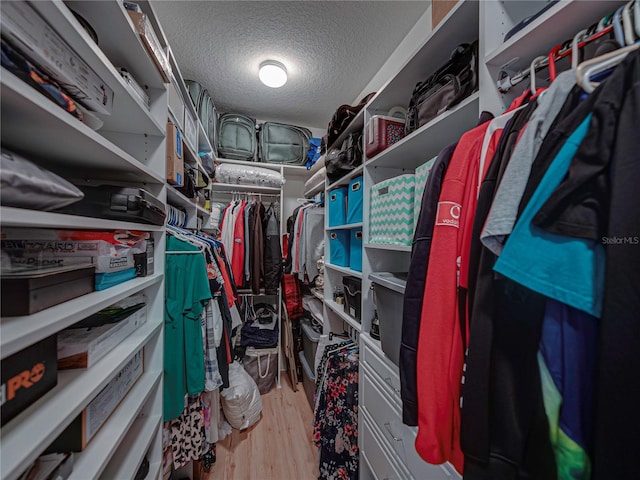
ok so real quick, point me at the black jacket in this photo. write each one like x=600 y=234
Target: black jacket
x=272 y=252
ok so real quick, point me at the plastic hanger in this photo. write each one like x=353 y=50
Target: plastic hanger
x=575 y=49
x=636 y=16
x=532 y=73
x=627 y=24
x=587 y=69
x=617 y=26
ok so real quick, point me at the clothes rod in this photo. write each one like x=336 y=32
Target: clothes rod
x=249 y=193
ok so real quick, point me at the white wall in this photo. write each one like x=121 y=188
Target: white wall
x=400 y=55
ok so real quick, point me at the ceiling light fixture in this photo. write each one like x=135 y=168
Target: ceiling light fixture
x=273 y=74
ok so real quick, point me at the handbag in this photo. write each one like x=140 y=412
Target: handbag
x=343 y=117
x=262 y=365
x=340 y=162
x=443 y=89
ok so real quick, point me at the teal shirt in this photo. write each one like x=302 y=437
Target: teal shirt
x=567 y=269
x=187 y=292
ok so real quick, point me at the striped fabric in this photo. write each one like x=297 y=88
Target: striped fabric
x=391 y=213
x=422 y=174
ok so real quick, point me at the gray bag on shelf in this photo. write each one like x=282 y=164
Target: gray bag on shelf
x=206 y=110
x=237 y=137
x=286 y=144
x=26 y=185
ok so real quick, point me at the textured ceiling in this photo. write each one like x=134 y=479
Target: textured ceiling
x=331 y=51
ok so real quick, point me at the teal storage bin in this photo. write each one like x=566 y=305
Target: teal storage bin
x=339 y=248
x=354 y=200
x=337 y=207
x=355 y=249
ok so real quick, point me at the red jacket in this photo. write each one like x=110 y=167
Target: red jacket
x=440 y=346
x=237 y=256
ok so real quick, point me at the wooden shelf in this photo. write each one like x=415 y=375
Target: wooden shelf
x=229 y=187
x=128 y=457
x=394 y=248
x=130 y=115
x=537 y=38
x=314 y=190
x=95 y=458
x=20 y=217
x=38 y=425
x=461 y=25
x=347 y=178
x=426 y=142
x=339 y=310
x=63 y=141
x=17 y=333
x=347 y=226
x=119 y=40
x=345 y=270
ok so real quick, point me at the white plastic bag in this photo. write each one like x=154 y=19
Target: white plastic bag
x=248 y=175
x=241 y=402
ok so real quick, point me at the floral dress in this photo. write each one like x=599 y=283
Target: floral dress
x=336 y=417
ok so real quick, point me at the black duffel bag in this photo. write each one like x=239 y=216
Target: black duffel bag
x=341 y=161
x=260 y=327
x=448 y=86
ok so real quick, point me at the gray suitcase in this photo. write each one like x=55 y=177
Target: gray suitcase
x=237 y=137
x=286 y=144
x=206 y=110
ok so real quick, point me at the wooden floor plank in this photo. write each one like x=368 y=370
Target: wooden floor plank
x=278 y=447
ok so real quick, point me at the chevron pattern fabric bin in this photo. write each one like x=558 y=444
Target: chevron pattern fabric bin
x=391 y=213
x=422 y=175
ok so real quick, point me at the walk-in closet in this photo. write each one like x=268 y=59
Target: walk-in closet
x=332 y=240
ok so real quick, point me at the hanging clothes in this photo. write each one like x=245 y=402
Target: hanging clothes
x=272 y=252
x=186 y=295
x=335 y=429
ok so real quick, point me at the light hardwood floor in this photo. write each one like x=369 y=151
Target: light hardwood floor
x=278 y=447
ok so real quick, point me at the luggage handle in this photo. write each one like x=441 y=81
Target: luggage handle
x=355 y=186
x=383 y=191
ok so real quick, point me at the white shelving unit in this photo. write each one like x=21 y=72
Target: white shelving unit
x=127 y=149
x=466 y=22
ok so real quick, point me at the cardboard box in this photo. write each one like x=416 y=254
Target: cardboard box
x=175 y=157
x=26 y=291
x=152 y=44
x=109 y=251
x=81 y=431
x=440 y=9
x=83 y=347
x=28 y=32
x=26 y=376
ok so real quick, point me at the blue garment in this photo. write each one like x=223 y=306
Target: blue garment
x=567 y=360
x=570 y=270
